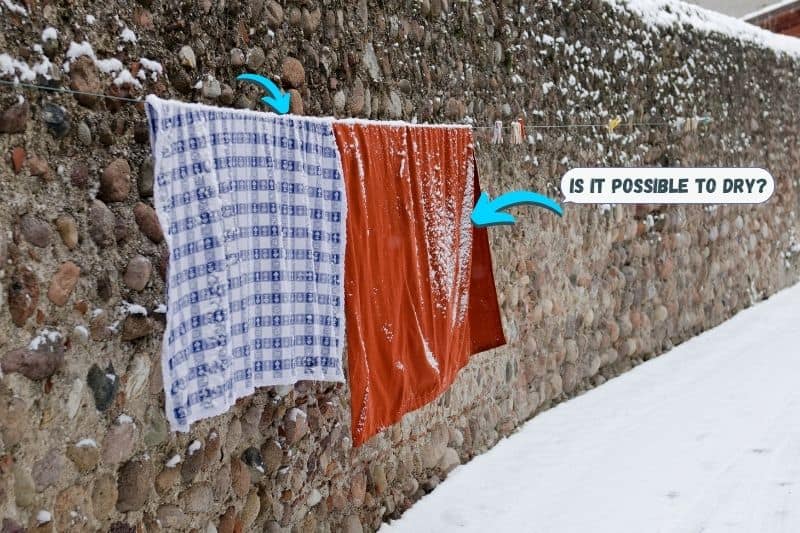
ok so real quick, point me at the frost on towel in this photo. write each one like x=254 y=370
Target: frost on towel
x=419 y=285
x=253 y=208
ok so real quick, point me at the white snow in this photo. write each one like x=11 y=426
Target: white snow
x=43 y=517
x=19 y=70
x=123 y=418
x=174 y=460
x=49 y=34
x=133 y=309
x=43 y=68
x=314 y=498
x=160 y=309
x=294 y=413
x=124 y=77
x=14 y=8
x=153 y=66
x=45 y=336
x=90 y=19
x=194 y=447
x=77 y=50
x=429 y=357
x=387 y=331
x=109 y=66
x=127 y=36
x=86 y=443
x=703 y=438
x=670 y=13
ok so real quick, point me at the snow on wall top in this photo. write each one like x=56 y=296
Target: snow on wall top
x=669 y=13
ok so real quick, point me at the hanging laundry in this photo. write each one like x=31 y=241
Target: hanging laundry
x=254 y=209
x=419 y=285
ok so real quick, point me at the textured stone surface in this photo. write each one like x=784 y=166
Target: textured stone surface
x=104 y=386
x=35 y=230
x=23 y=295
x=197 y=498
x=15 y=118
x=84 y=78
x=36 y=364
x=134 y=481
x=147 y=220
x=73 y=510
x=17 y=158
x=293 y=74
x=101 y=224
x=85 y=456
x=68 y=230
x=47 y=471
x=63 y=283
x=115 y=183
x=119 y=443
x=137 y=274
x=104 y=496
x=38 y=167
x=135 y=327
x=584 y=297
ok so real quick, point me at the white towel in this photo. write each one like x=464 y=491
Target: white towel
x=253 y=207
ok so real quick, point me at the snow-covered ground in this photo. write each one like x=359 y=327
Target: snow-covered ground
x=705 y=438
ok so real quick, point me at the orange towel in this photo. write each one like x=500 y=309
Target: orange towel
x=419 y=289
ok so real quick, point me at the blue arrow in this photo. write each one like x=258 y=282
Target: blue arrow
x=278 y=100
x=487 y=213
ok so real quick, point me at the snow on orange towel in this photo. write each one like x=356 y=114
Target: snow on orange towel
x=419 y=289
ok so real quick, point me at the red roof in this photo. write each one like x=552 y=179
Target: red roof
x=785 y=19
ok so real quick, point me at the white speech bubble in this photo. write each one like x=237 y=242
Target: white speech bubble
x=667 y=186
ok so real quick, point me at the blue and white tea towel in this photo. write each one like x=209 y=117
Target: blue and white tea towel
x=253 y=208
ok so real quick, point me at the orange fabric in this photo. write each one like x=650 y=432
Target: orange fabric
x=419 y=289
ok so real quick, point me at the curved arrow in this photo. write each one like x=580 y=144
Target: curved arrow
x=278 y=100
x=487 y=213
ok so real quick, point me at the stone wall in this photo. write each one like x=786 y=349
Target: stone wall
x=83 y=438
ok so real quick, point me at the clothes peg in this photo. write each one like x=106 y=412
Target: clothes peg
x=497 y=133
x=516 y=132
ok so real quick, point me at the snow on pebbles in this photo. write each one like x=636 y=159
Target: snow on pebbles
x=21 y=71
x=669 y=13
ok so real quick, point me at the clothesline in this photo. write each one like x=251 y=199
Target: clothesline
x=549 y=126
x=527 y=126
x=67 y=91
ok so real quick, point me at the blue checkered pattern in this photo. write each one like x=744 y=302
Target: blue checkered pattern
x=254 y=208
